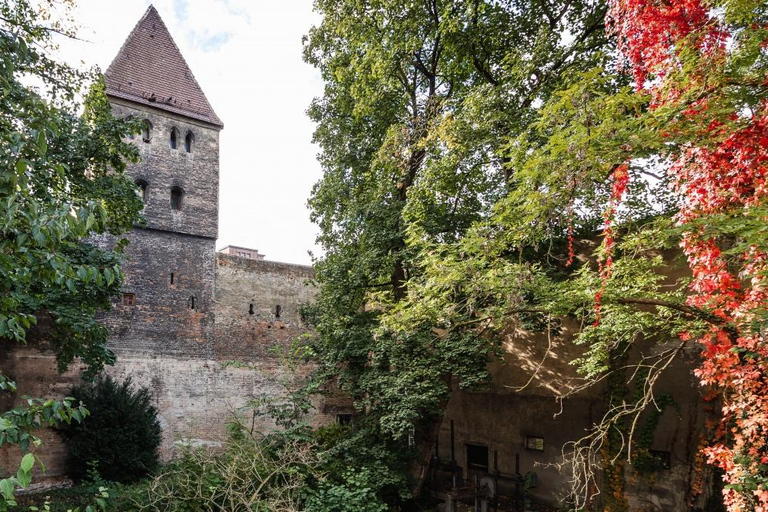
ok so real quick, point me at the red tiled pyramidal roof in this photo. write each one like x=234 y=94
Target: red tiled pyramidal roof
x=150 y=69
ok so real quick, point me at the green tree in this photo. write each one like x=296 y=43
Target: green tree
x=675 y=163
x=61 y=182
x=420 y=99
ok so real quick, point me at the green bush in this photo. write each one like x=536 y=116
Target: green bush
x=121 y=436
x=248 y=475
x=355 y=493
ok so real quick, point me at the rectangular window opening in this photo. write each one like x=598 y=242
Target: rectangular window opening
x=534 y=443
x=129 y=299
x=477 y=457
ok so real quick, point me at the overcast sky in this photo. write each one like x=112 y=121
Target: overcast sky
x=246 y=55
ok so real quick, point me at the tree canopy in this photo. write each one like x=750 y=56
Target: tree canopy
x=468 y=146
x=61 y=183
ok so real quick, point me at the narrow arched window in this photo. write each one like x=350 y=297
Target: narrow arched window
x=188 y=141
x=176 y=198
x=174 y=138
x=142 y=189
x=146 y=131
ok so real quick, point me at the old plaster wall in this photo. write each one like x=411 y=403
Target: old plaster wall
x=518 y=406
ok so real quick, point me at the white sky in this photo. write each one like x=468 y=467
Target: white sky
x=246 y=55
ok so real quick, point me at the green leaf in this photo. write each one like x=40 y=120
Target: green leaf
x=7 y=485
x=27 y=462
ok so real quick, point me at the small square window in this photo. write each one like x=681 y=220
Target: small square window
x=534 y=443
x=129 y=299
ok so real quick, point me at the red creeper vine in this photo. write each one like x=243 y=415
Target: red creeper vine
x=620 y=178
x=722 y=173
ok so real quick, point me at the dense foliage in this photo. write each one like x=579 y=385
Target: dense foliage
x=469 y=147
x=707 y=62
x=61 y=181
x=121 y=436
x=420 y=98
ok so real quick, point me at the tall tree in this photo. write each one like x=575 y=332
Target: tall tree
x=678 y=159
x=420 y=98
x=61 y=181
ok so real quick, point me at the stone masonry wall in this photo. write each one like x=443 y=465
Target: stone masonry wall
x=195 y=389
x=192 y=311
x=161 y=167
x=258 y=307
x=162 y=320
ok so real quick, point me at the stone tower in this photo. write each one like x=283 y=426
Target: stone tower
x=167 y=330
x=167 y=305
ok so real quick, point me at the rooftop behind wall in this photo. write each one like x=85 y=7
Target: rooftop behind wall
x=242 y=252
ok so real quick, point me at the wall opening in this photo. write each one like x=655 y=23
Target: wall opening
x=174 y=138
x=143 y=189
x=188 y=141
x=172 y=278
x=146 y=131
x=278 y=311
x=250 y=309
x=344 y=419
x=477 y=457
x=177 y=196
x=129 y=299
x=192 y=302
x=534 y=443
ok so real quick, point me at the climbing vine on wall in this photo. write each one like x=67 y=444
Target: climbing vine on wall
x=644 y=461
x=706 y=61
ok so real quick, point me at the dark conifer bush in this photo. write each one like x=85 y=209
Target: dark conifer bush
x=120 y=437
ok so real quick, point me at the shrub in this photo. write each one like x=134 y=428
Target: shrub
x=250 y=474
x=121 y=436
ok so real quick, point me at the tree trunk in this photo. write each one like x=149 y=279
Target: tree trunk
x=425 y=443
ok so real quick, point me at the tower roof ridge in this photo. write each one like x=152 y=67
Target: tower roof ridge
x=150 y=69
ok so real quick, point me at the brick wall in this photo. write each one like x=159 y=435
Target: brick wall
x=249 y=296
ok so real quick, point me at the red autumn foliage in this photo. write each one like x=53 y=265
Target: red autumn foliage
x=620 y=177
x=720 y=173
